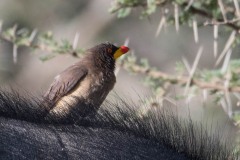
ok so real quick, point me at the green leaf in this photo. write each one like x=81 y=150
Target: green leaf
x=124 y=12
x=144 y=62
x=180 y=68
x=10 y=33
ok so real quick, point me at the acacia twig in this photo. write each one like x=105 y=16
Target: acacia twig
x=191 y=9
x=181 y=80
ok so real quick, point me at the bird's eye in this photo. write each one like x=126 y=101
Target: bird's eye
x=109 y=50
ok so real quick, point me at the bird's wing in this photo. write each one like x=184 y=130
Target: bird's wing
x=65 y=82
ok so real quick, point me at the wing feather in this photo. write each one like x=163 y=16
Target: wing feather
x=65 y=82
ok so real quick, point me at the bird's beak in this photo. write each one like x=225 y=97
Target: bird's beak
x=121 y=50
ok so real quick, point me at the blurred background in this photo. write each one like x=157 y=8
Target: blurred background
x=95 y=24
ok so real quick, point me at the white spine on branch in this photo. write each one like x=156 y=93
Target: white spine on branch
x=1 y=23
x=193 y=69
x=224 y=105
x=186 y=64
x=190 y=2
x=226 y=61
x=176 y=17
x=195 y=30
x=237 y=95
x=237 y=8
x=75 y=41
x=226 y=47
x=220 y=3
x=15 y=47
x=215 y=41
x=205 y=95
x=160 y=26
x=33 y=35
x=126 y=42
x=229 y=102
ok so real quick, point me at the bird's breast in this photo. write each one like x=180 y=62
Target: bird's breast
x=93 y=85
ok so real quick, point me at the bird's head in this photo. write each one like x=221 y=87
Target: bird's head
x=111 y=50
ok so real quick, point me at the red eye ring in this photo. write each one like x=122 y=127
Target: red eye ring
x=109 y=50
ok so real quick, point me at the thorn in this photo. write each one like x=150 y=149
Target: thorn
x=194 y=67
x=224 y=104
x=229 y=104
x=176 y=17
x=237 y=95
x=227 y=95
x=126 y=42
x=1 y=24
x=190 y=2
x=226 y=61
x=160 y=26
x=186 y=64
x=222 y=10
x=215 y=31
x=237 y=8
x=215 y=42
x=226 y=47
x=205 y=95
x=15 y=47
x=196 y=61
x=195 y=30
x=215 y=48
x=75 y=41
x=13 y=32
x=33 y=34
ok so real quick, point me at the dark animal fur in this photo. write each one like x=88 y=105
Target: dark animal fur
x=116 y=132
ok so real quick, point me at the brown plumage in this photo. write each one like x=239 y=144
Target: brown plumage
x=81 y=88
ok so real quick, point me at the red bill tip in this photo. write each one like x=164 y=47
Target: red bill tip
x=124 y=49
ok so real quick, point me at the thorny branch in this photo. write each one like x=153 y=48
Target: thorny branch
x=229 y=23
x=44 y=42
x=191 y=9
x=181 y=80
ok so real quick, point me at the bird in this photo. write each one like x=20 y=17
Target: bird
x=80 y=89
